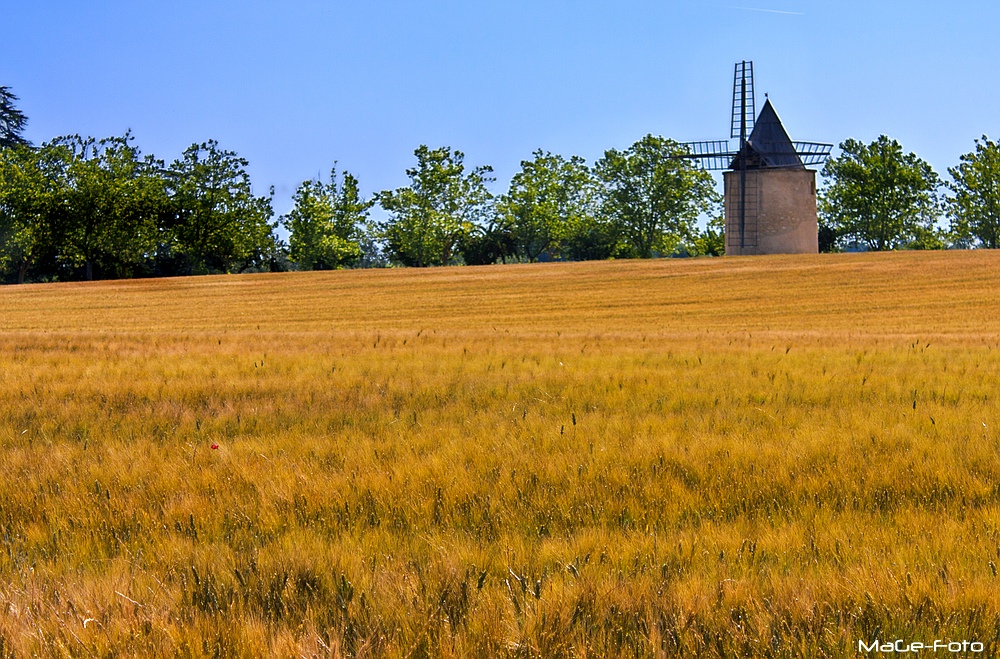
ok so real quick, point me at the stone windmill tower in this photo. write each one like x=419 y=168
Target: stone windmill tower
x=770 y=195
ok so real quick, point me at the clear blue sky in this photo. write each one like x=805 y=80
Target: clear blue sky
x=294 y=85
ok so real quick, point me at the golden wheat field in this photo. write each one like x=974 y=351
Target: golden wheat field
x=745 y=457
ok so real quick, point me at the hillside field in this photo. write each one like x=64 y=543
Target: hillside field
x=739 y=457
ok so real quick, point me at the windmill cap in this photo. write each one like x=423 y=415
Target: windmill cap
x=768 y=144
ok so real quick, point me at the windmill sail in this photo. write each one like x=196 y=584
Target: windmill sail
x=743 y=101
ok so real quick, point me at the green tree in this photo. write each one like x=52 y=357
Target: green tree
x=827 y=237
x=547 y=199
x=218 y=225
x=326 y=226
x=975 y=207
x=12 y=120
x=878 y=196
x=429 y=218
x=590 y=238
x=711 y=241
x=25 y=192
x=653 y=197
x=106 y=203
x=485 y=245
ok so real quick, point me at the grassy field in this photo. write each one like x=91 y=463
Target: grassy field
x=746 y=457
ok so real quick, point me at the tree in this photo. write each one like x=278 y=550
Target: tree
x=546 y=200
x=25 y=191
x=105 y=203
x=652 y=196
x=975 y=208
x=878 y=196
x=218 y=225
x=327 y=224
x=590 y=238
x=711 y=241
x=429 y=218
x=826 y=238
x=12 y=120
x=485 y=245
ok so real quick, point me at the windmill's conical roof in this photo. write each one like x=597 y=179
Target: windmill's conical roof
x=768 y=144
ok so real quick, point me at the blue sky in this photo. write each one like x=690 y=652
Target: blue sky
x=294 y=85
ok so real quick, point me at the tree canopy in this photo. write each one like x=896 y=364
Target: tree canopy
x=879 y=196
x=80 y=207
x=653 y=197
x=111 y=202
x=219 y=225
x=12 y=120
x=548 y=200
x=975 y=207
x=327 y=224
x=429 y=218
x=26 y=194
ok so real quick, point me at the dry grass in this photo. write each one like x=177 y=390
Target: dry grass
x=760 y=457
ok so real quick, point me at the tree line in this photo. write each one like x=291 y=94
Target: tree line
x=81 y=208
x=877 y=197
x=641 y=202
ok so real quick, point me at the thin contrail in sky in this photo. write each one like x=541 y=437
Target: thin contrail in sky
x=770 y=11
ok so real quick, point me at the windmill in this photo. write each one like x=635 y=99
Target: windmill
x=770 y=195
